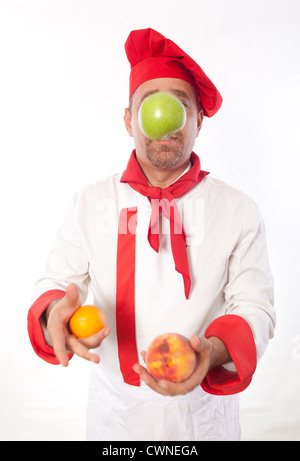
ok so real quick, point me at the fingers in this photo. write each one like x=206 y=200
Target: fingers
x=75 y=346
x=69 y=303
x=149 y=380
x=163 y=386
x=72 y=295
x=82 y=346
x=95 y=340
x=62 y=341
x=57 y=335
x=203 y=348
x=57 y=321
x=65 y=307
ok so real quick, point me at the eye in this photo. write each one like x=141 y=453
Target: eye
x=185 y=104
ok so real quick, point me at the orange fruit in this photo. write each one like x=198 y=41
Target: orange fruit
x=87 y=321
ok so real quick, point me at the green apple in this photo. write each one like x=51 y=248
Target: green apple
x=161 y=115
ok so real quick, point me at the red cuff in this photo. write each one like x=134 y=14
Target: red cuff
x=236 y=334
x=35 y=331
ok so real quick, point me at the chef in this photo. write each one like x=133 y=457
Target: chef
x=162 y=247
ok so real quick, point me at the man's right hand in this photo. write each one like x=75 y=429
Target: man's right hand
x=58 y=315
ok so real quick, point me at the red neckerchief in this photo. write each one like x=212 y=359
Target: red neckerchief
x=164 y=199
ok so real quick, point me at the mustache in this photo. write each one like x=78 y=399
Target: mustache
x=179 y=137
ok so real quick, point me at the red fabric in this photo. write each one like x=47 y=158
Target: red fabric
x=165 y=199
x=236 y=334
x=125 y=296
x=151 y=55
x=35 y=331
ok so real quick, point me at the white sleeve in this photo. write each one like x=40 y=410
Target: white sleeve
x=249 y=292
x=67 y=261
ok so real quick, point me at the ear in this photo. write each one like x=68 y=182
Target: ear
x=127 y=121
x=200 y=117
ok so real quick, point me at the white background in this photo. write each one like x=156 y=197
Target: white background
x=63 y=90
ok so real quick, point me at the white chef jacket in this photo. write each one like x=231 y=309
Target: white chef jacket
x=230 y=276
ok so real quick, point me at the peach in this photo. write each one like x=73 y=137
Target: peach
x=170 y=356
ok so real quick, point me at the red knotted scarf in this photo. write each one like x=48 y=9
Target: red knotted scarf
x=165 y=199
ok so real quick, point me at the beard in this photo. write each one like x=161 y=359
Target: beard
x=165 y=156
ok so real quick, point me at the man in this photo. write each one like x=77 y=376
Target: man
x=163 y=248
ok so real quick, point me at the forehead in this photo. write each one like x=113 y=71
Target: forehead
x=173 y=85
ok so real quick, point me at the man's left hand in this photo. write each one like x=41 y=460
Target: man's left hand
x=210 y=352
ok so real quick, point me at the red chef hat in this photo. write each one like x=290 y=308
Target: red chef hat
x=151 y=55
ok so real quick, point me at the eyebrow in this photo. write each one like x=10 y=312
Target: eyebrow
x=180 y=93
x=148 y=93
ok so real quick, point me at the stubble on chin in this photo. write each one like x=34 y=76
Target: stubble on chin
x=162 y=155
